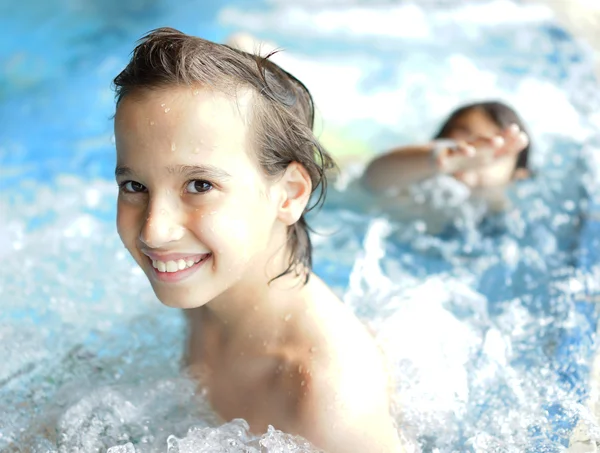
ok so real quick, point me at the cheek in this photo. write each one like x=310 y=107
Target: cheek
x=237 y=231
x=127 y=223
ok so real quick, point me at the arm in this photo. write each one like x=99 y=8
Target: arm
x=354 y=422
x=399 y=168
x=346 y=412
x=404 y=166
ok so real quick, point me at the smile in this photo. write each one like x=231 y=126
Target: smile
x=175 y=270
x=177 y=265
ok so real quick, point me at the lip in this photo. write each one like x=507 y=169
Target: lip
x=173 y=277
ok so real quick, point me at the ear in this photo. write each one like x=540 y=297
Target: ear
x=296 y=188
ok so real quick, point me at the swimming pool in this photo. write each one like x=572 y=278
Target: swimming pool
x=504 y=310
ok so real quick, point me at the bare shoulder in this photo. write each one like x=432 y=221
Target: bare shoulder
x=339 y=384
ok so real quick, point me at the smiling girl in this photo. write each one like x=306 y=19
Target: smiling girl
x=216 y=164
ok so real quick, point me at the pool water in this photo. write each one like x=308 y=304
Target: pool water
x=488 y=319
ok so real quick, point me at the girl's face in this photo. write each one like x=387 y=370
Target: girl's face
x=476 y=123
x=194 y=209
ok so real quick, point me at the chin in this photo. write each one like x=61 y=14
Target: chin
x=183 y=298
x=468 y=179
x=183 y=303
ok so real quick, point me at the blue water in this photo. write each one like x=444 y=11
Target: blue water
x=500 y=305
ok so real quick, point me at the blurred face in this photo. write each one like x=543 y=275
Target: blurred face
x=194 y=209
x=476 y=123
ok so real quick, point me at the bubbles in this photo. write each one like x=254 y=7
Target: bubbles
x=232 y=437
x=489 y=301
x=454 y=287
x=127 y=448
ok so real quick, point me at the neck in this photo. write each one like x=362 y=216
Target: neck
x=257 y=303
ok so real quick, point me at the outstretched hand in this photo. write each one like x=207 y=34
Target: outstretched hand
x=481 y=151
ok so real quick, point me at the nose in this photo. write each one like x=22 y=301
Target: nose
x=162 y=224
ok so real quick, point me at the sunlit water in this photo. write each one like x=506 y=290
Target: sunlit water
x=488 y=319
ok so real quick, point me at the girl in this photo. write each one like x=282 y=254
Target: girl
x=484 y=145
x=216 y=163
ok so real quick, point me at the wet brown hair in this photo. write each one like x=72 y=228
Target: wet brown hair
x=282 y=114
x=501 y=114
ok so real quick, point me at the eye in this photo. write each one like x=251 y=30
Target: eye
x=133 y=187
x=198 y=186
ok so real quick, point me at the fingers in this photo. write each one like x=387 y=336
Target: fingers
x=488 y=143
x=515 y=141
x=460 y=148
x=463 y=149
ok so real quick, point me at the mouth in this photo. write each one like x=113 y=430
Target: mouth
x=176 y=270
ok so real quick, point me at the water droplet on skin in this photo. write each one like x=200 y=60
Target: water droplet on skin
x=167 y=110
x=287 y=317
x=196 y=92
x=313 y=349
x=196 y=150
x=151 y=123
x=302 y=384
x=173 y=147
x=300 y=369
x=162 y=105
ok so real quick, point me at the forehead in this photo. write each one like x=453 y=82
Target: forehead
x=476 y=119
x=186 y=123
x=177 y=109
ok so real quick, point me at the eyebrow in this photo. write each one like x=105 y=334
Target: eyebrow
x=200 y=171
x=190 y=171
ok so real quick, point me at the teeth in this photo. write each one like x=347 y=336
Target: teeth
x=173 y=266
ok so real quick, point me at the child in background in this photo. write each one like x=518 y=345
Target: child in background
x=484 y=145
x=216 y=164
